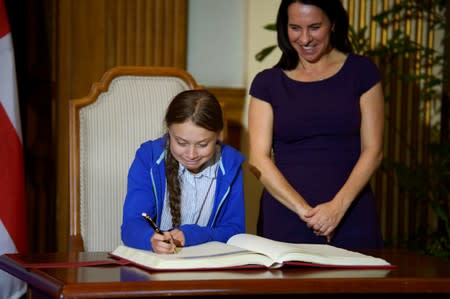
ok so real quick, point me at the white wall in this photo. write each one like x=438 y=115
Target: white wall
x=216 y=42
x=223 y=38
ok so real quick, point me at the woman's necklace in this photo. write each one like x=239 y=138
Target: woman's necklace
x=331 y=65
x=310 y=74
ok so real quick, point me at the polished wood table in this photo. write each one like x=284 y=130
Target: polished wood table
x=59 y=276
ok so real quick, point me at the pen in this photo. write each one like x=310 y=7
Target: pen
x=152 y=223
x=156 y=228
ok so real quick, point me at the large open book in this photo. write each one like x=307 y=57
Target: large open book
x=249 y=251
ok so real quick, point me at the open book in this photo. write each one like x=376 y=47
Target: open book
x=249 y=251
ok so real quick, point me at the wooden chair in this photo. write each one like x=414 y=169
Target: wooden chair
x=125 y=108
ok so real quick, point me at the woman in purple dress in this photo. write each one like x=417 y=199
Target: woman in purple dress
x=316 y=132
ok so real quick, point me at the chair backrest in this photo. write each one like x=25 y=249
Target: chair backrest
x=125 y=108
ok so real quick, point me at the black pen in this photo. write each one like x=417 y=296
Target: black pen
x=156 y=228
x=152 y=223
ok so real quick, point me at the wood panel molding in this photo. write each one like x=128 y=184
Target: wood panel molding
x=233 y=100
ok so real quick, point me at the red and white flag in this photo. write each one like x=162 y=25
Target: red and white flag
x=12 y=182
x=13 y=226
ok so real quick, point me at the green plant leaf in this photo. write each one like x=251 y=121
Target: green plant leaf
x=264 y=52
x=271 y=27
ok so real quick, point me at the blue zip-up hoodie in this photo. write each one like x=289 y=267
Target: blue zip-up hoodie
x=146 y=193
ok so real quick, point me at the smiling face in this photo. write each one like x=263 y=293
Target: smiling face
x=191 y=145
x=309 y=31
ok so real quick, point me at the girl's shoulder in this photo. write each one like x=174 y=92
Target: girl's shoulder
x=230 y=155
x=152 y=149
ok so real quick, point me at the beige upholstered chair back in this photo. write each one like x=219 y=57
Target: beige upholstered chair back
x=123 y=110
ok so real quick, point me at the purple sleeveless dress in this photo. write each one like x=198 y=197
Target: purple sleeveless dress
x=316 y=143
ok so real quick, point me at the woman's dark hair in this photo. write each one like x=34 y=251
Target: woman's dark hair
x=204 y=110
x=339 y=39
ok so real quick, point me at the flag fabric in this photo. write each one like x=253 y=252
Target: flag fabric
x=13 y=226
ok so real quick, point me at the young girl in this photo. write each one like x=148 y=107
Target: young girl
x=187 y=181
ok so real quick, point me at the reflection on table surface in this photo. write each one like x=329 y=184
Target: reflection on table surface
x=137 y=274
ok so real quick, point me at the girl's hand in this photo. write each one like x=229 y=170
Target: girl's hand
x=162 y=243
x=178 y=237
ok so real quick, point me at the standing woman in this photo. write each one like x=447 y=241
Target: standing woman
x=187 y=181
x=316 y=130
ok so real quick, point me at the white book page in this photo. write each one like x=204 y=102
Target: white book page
x=273 y=249
x=312 y=253
x=207 y=255
x=331 y=255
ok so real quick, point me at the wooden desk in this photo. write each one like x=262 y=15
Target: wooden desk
x=416 y=274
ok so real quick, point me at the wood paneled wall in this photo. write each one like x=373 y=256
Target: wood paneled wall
x=92 y=36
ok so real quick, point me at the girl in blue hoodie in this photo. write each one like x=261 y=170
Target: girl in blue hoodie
x=187 y=181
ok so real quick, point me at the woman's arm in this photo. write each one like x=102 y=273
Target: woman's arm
x=260 y=127
x=325 y=218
